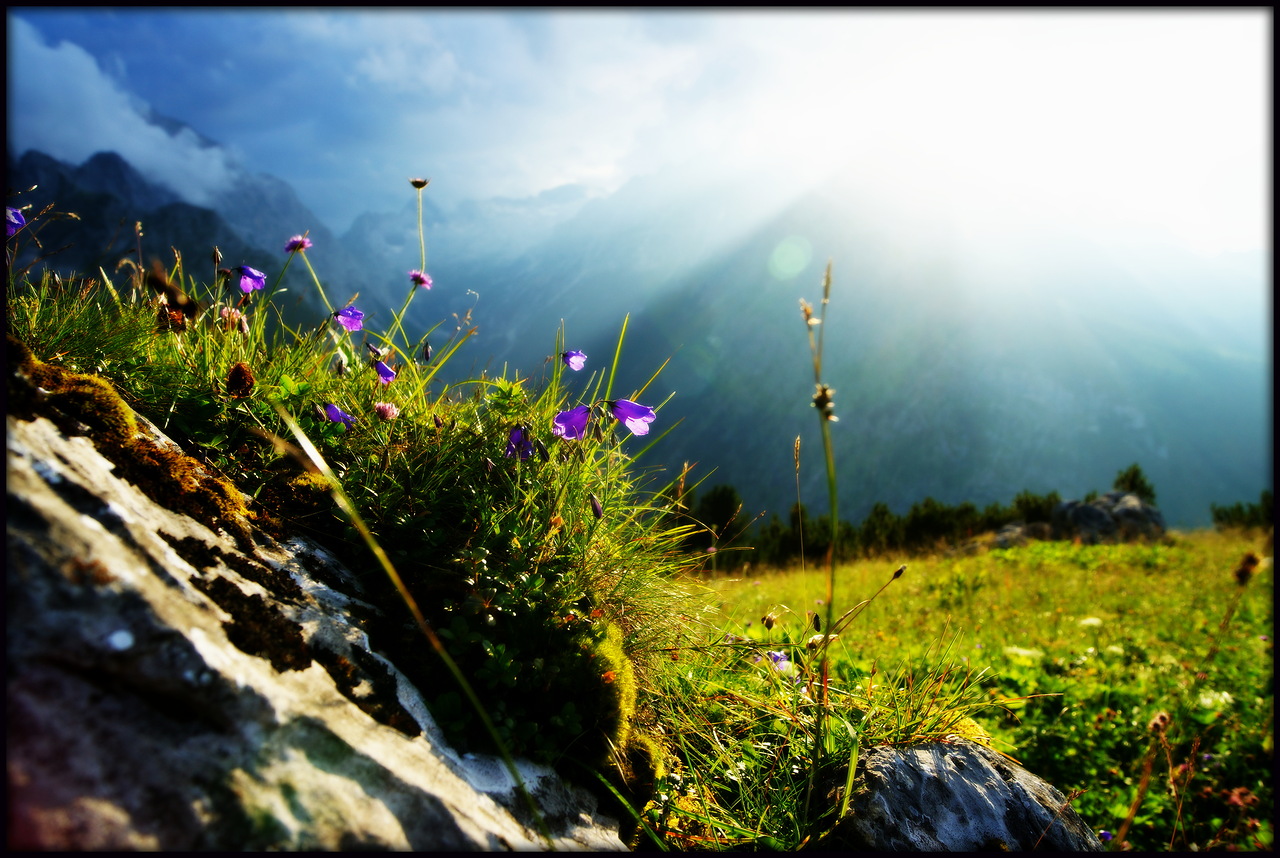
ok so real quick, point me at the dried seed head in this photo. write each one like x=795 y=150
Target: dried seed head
x=1248 y=564
x=822 y=400
x=419 y=183
x=240 y=381
x=768 y=620
x=1160 y=723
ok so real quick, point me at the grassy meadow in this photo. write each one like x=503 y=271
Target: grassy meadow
x=536 y=572
x=1082 y=647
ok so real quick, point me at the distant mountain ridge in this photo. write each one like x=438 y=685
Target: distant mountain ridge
x=951 y=382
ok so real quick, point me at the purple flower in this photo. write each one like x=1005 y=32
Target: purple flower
x=350 y=318
x=297 y=243
x=572 y=424
x=420 y=279
x=1104 y=835
x=251 y=279
x=386 y=410
x=596 y=509
x=386 y=374
x=633 y=415
x=574 y=360
x=518 y=443
x=779 y=659
x=426 y=351
x=375 y=352
x=13 y=220
x=337 y=415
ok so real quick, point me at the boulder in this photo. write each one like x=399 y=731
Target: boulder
x=955 y=796
x=172 y=687
x=1115 y=516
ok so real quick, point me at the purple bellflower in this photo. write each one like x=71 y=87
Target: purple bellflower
x=575 y=360
x=350 y=318
x=633 y=415
x=251 y=279
x=572 y=424
x=337 y=415
x=419 y=278
x=518 y=444
x=13 y=221
x=386 y=374
x=297 y=243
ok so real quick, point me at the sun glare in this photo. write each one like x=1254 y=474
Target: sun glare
x=1141 y=127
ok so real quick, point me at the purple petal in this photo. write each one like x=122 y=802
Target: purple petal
x=386 y=374
x=575 y=360
x=572 y=424
x=337 y=415
x=297 y=243
x=251 y=279
x=633 y=415
x=350 y=318
x=519 y=444
x=13 y=220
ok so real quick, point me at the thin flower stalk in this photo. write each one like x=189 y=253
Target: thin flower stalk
x=422 y=280
x=822 y=400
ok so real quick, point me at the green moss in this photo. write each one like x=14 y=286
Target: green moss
x=89 y=405
x=79 y=404
x=293 y=496
x=617 y=678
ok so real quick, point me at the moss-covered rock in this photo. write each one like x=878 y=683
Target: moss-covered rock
x=89 y=405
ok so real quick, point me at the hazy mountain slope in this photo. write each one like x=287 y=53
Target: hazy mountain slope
x=963 y=370
x=249 y=223
x=950 y=388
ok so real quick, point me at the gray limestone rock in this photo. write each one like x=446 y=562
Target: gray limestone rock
x=956 y=796
x=1115 y=516
x=168 y=690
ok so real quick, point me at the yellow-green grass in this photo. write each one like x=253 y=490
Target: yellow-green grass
x=1109 y=634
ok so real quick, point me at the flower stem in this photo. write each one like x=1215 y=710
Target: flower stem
x=319 y=288
x=825 y=417
x=413 y=290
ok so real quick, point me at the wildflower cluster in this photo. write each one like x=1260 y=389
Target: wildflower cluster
x=572 y=424
x=539 y=597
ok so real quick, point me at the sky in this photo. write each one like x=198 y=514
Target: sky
x=1126 y=121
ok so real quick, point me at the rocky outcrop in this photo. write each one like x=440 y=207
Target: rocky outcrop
x=171 y=687
x=1113 y=517
x=956 y=796
x=179 y=682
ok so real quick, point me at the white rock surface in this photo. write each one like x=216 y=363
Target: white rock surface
x=167 y=691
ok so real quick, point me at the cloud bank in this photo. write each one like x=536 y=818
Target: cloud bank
x=1114 y=120
x=68 y=107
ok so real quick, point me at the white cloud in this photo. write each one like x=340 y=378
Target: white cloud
x=63 y=104
x=1156 y=119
